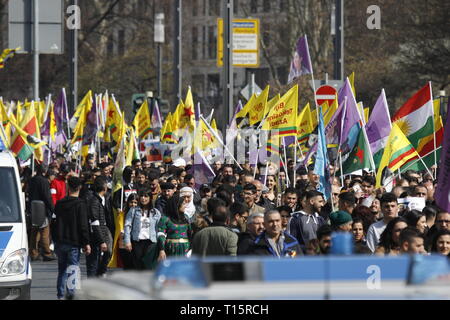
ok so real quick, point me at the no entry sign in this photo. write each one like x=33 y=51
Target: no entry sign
x=325 y=93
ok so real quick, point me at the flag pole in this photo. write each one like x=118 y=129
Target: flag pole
x=67 y=114
x=220 y=141
x=285 y=161
x=265 y=174
x=340 y=164
x=295 y=163
x=303 y=156
x=434 y=130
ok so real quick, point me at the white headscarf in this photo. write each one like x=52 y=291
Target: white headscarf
x=190 y=209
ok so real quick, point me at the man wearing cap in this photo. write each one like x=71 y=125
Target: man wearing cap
x=341 y=221
x=314 y=179
x=167 y=191
x=304 y=224
x=347 y=202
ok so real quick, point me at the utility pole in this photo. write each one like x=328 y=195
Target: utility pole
x=73 y=77
x=339 y=41
x=228 y=86
x=178 y=50
x=159 y=40
x=36 y=50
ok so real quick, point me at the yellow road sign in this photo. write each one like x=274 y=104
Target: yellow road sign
x=245 y=43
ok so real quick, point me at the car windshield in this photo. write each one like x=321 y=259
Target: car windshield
x=9 y=197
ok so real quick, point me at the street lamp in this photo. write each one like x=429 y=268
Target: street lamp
x=159 y=40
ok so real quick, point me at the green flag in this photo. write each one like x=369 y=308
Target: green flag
x=359 y=158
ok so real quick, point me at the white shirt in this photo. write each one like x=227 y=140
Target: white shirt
x=374 y=233
x=144 y=234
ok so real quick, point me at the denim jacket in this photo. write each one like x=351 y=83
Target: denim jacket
x=132 y=226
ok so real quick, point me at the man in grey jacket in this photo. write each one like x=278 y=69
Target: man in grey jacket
x=217 y=239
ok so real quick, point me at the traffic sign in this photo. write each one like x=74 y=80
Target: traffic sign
x=245 y=43
x=247 y=91
x=337 y=84
x=325 y=93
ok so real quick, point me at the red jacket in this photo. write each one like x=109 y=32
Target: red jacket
x=58 y=189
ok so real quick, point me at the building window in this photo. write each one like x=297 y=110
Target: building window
x=214 y=8
x=205 y=43
x=194 y=43
x=212 y=42
x=262 y=77
x=266 y=5
x=194 y=8
x=283 y=5
x=266 y=36
x=121 y=46
x=253 y=6
x=235 y=6
x=213 y=89
x=110 y=46
x=198 y=86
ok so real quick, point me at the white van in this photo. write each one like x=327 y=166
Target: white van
x=15 y=268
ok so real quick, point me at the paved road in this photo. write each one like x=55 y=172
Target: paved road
x=43 y=285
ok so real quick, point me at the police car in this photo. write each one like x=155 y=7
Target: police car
x=15 y=268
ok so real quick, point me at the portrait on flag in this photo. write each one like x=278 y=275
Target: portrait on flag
x=301 y=62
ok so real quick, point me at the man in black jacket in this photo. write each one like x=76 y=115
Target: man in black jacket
x=167 y=191
x=274 y=241
x=101 y=221
x=39 y=189
x=71 y=232
x=128 y=188
x=255 y=226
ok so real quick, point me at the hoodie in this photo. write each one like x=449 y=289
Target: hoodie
x=71 y=223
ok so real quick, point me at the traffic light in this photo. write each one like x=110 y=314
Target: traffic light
x=137 y=100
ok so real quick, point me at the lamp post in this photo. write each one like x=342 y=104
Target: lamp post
x=159 y=40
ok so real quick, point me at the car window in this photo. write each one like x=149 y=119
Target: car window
x=9 y=197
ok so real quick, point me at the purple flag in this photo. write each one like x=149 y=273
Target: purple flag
x=301 y=62
x=442 y=193
x=197 y=112
x=351 y=121
x=156 y=116
x=202 y=171
x=60 y=111
x=332 y=133
x=379 y=126
x=90 y=131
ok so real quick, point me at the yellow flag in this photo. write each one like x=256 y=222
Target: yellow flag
x=132 y=149
x=272 y=102
x=351 y=78
x=53 y=129
x=366 y=114
x=166 y=133
x=142 y=121
x=246 y=109
x=19 y=112
x=304 y=124
x=283 y=115
x=27 y=138
x=397 y=152
x=113 y=123
x=187 y=116
x=84 y=108
x=329 y=113
x=258 y=109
